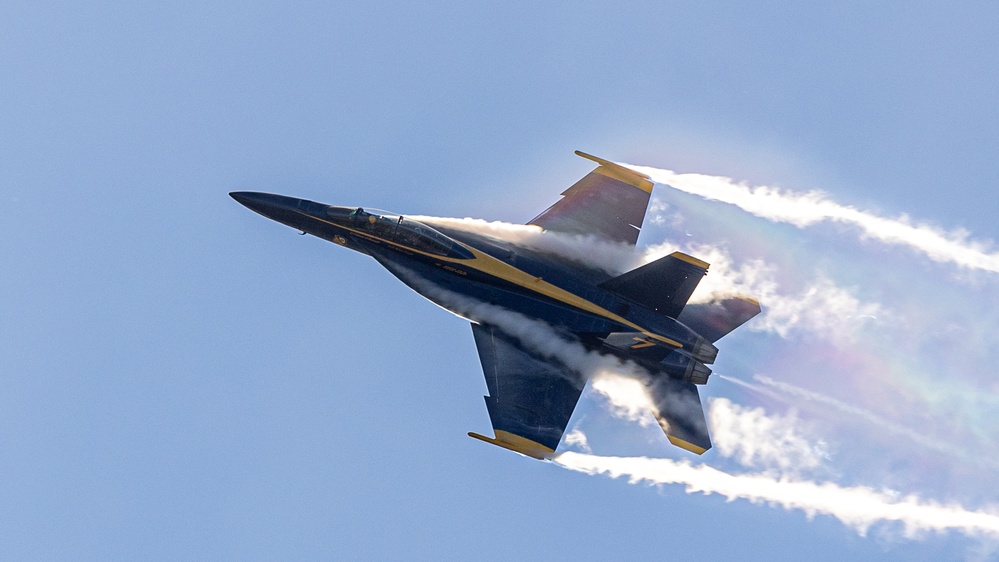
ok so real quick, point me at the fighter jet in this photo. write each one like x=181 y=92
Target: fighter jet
x=501 y=284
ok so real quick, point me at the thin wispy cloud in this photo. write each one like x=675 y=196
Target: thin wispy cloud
x=853 y=413
x=845 y=409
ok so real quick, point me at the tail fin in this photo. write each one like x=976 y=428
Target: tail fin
x=715 y=318
x=664 y=285
x=678 y=411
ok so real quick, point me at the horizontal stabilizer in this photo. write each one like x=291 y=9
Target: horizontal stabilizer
x=715 y=318
x=664 y=285
x=677 y=407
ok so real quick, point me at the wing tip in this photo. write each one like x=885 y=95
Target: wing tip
x=686 y=445
x=619 y=172
x=691 y=260
x=683 y=443
x=517 y=444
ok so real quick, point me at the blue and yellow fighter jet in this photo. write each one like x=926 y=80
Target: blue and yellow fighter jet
x=640 y=316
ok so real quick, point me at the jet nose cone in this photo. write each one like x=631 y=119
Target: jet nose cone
x=243 y=197
x=294 y=212
x=259 y=202
x=267 y=204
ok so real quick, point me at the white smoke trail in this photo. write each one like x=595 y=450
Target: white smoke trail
x=805 y=209
x=822 y=307
x=536 y=335
x=592 y=251
x=857 y=507
x=747 y=435
x=778 y=445
x=627 y=398
x=576 y=438
x=756 y=439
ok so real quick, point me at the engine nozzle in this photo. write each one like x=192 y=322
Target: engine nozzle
x=682 y=366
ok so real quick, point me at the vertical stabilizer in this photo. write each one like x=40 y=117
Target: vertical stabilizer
x=664 y=285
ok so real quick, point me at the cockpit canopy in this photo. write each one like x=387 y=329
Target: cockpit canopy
x=398 y=229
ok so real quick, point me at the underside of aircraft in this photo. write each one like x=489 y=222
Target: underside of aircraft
x=536 y=313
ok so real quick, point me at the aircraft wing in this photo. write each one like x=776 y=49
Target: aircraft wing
x=530 y=398
x=609 y=202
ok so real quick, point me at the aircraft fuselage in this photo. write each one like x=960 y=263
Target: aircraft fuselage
x=460 y=270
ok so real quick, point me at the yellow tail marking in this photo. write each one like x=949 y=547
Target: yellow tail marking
x=642 y=343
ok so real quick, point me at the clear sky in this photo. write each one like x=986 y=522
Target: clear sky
x=183 y=379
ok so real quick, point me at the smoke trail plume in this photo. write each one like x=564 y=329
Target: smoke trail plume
x=627 y=397
x=856 y=507
x=593 y=251
x=778 y=445
x=821 y=307
x=576 y=438
x=748 y=435
x=805 y=209
x=756 y=439
x=535 y=335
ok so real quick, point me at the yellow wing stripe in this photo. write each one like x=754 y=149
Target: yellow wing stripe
x=492 y=266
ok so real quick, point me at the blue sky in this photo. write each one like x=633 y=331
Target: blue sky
x=183 y=379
